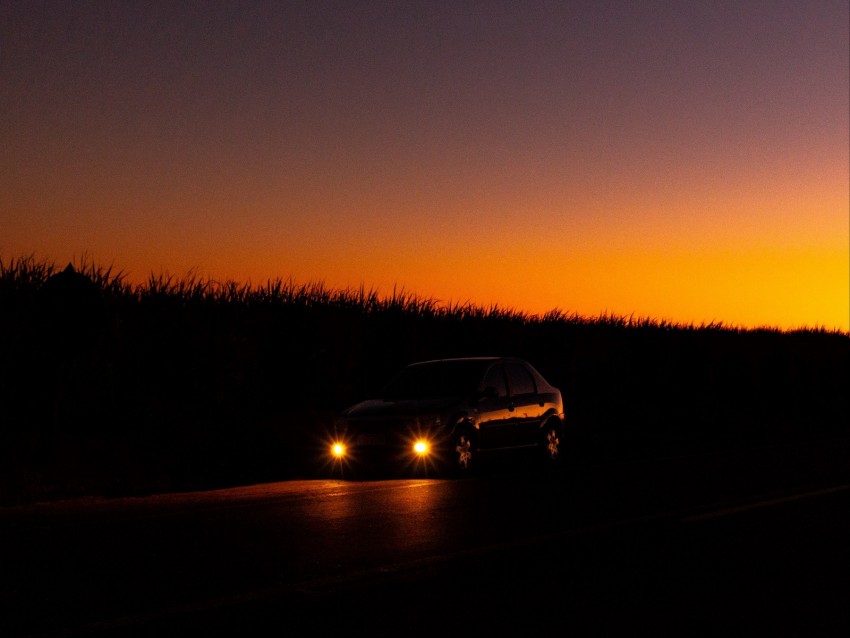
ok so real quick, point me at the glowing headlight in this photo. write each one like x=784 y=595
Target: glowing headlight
x=421 y=447
x=338 y=450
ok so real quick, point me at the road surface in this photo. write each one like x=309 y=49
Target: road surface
x=750 y=542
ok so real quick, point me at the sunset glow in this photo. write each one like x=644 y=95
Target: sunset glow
x=677 y=162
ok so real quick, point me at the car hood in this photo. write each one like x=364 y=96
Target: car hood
x=377 y=408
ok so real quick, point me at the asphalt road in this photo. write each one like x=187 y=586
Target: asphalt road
x=750 y=542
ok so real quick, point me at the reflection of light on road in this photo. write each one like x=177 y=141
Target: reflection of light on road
x=414 y=515
x=403 y=513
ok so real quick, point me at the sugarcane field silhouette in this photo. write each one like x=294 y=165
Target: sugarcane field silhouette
x=117 y=389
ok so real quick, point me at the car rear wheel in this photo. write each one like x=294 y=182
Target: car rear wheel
x=550 y=443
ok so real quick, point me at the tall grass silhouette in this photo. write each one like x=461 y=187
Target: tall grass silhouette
x=190 y=383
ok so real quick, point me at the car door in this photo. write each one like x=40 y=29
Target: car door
x=494 y=410
x=526 y=406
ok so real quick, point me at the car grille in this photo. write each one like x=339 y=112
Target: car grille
x=386 y=436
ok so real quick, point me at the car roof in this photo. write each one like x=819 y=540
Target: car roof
x=481 y=359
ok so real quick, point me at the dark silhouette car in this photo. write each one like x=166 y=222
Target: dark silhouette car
x=444 y=414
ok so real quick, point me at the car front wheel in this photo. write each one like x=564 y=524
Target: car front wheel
x=463 y=453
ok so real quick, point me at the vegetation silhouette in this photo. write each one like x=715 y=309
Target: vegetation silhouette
x=115 y=389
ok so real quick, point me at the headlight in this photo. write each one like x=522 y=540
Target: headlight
x=338 y=450
x=421 y=447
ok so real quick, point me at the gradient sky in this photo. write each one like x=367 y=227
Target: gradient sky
x=673 y=160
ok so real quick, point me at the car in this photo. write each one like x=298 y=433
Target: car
x=448 y=414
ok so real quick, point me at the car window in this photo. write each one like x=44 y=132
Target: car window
x=496 y=377
x=520 y=380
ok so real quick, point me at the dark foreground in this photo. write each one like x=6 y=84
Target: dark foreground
x=752 y=542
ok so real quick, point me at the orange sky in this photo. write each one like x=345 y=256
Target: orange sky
x=673 y=162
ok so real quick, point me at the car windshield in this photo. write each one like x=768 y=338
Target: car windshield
x=435 y=380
